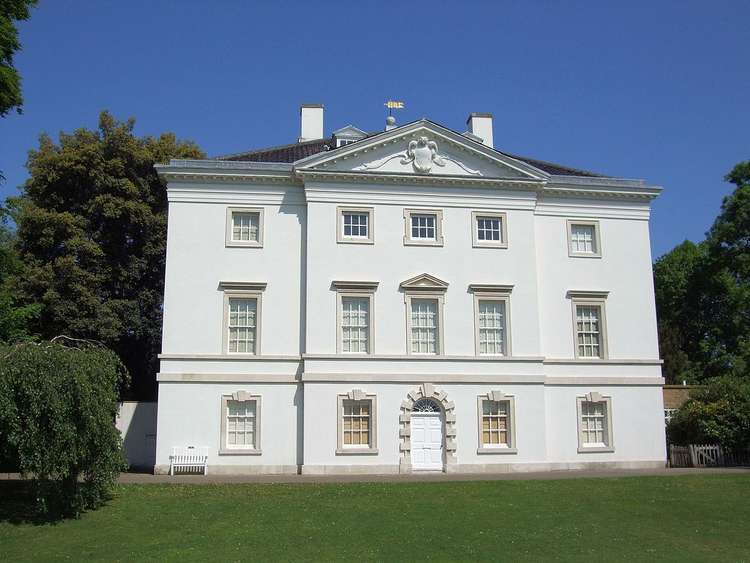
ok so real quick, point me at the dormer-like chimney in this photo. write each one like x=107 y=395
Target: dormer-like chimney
x=311 y=122
x=480 y=124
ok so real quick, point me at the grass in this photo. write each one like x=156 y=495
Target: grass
x=695 y=517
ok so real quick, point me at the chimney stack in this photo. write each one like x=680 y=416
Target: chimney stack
x=311 y=122
x=480 y=124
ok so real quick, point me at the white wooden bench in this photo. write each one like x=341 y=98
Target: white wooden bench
x=187 y=458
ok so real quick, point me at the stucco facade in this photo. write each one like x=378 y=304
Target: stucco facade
x=300 y=267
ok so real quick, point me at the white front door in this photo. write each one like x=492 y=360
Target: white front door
x=427 y=441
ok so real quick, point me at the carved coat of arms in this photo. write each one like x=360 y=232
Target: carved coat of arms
x=422 y=153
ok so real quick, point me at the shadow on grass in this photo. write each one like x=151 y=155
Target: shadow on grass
x=18 y=504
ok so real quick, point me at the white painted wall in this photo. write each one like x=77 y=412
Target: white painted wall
x=197 y=260
x=190 y=415
x=390 y=262
x=624 y=270
x=136 y=421
x=301 y=257
x=546 y=425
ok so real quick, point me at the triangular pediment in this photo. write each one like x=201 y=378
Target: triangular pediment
x=349 y=132
x=424 y=282
x=424 y=149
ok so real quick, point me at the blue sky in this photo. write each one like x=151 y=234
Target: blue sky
x=653 y=90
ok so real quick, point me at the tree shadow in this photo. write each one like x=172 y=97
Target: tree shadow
x=19 y=505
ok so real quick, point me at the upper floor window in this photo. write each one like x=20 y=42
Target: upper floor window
x=491 y=319
x=491 y=326
x=589 y=324
x=424 y=296
x=243 y=318
x=244 y=227
x=489 y=229
x=584 y=239
x=355 y=225
x=425 y=326
x=423 y=227
x=242 y=312
x=355 y=324
x=342 y=142
x=354 y=330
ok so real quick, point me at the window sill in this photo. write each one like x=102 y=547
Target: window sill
x=240 y=244
x=483 y=451
x=590 y=359
x=595 y=449
x=228 y=451
x=412 y=242
x=501 y=245
x=583 y=255
x=355 y=241
x=356 y=451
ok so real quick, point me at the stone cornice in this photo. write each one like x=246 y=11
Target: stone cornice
x=417 y=179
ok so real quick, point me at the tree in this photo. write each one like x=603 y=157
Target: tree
x=674 y=275
x=718 y=413
x=703 y=295
x=92 y=239
x=14 y=318
x=11 y=11
x=57 y=409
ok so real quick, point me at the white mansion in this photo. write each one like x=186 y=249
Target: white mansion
x=405 y=300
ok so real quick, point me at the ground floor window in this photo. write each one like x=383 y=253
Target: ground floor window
x=495 y=424
x=240 y=423
x=594 y=423
x=357 y=423
x=496 y=413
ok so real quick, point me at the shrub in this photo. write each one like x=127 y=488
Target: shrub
x=58 y=404
x=718 y=413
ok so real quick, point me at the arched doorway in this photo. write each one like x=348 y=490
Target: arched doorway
x=427 y=435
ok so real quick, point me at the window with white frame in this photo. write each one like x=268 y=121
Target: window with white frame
x=354 y=328
x=243 y=324
x=594 y=422
x=489 y=229
x=491 y=327
x=244 y=227
x=343 y=142
x=496 y=412
x=589 y=331
x=241 y=317
x=354 y=225
x=355 y=324
x=425 y=326
x=495 y=423
x=357 y=423
x=423 y=226
x=491 y=319
x=584 y=239
x=589 y=324
x=240 y=423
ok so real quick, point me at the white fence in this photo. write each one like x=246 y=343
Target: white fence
x=706 y=455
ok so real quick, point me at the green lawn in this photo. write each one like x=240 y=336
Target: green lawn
x=696 y=517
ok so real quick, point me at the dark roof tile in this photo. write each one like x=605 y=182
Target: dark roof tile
x=297 y=151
